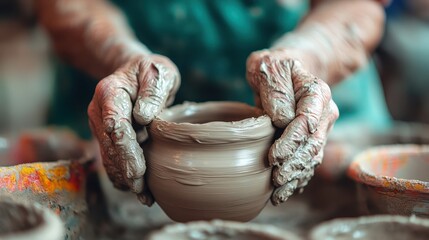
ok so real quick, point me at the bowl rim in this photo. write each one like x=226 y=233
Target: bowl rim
x=357 y=173
x=50 y=225
x=250 y=128
x=247 y=227
x=326 y=226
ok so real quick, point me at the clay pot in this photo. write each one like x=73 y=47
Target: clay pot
x=374 y=227
x=209 y=161
x=393 y=179
x=21 y=221
x=218 y=229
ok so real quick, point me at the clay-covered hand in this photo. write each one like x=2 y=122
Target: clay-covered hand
x=128 y=99
x=299 y=102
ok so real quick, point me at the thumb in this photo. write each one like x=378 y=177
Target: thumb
x=157 y=85
x=276 y=91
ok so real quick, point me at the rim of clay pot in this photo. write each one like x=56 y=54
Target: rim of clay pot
x=42 y=223
x=360 y=174
x=262 y=231
x=331 y=227
x=247 y=123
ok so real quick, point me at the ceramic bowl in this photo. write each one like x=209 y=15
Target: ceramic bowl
x=21 y=220
x=380 y=227
x=393 y=179
x=348 y=140
x=209 y=161
x=50 y=167
x=220 y=230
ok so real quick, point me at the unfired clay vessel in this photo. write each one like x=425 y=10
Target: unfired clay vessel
x=19 y=221
x=379 y=227
x=220 y=230
x=209 y=161
x=393 y=179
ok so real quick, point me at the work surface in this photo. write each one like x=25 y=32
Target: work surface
x=122 y=216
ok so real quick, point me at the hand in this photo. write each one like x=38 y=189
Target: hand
x=135 y=93
x=300 y=103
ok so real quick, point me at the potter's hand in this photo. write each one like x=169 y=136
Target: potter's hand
x=299 y=102
x=133 y=95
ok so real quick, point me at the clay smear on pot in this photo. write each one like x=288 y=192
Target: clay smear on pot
x=209 y=160
x=393 y=179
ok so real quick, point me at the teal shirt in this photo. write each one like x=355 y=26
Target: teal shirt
x=209 y=41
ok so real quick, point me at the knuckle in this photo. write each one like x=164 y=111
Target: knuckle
x=256 y=58
x=103 y=85
x=109 y=123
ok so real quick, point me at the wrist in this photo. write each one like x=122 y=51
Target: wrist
x=309 y=58
x=126 y=50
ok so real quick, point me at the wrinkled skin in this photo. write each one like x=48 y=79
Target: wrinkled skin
x=300 y=103
x=136 y=92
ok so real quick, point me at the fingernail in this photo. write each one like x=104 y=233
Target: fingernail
x=283 y=193
x=145 y=112
x=146 y=199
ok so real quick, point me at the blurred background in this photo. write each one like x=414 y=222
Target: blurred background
x=27 y=69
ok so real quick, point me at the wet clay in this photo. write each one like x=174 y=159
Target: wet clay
x=209 y=161
x=221 y=230
x=24 y=221
x=393 y=179
x=375 y=227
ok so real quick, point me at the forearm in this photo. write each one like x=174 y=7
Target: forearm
x=336 y=38
x=91 y=35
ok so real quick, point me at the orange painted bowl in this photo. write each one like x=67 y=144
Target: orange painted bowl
x=209 y=161
x=58 y=185
x=389 y=227
x=26 y=220
x=393 y=179
x=218 y=229
x=49 y=166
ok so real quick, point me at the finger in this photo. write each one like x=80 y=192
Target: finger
x=106 y=146
x=276 y=91
x=283 y=149
x=126 y=154
x=157 y=86
x=282 y=193
x=146 y=198
x=307 y=156
x=271 y=79
x=311 y=94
